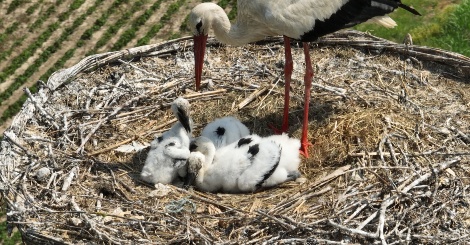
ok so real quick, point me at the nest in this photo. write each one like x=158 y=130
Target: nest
x=389 y=125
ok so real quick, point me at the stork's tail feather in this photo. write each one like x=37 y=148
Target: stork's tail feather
x=385 y=21
x=408 y=8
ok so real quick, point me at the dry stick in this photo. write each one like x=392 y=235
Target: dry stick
x=352 y=230
x=259 y=239
x=85 y=140
x=303 y=199
x=68 y=180
x=194 y=195
x=464 y=137
x=403 y=214
x=339 y=91
x=338 y=172
x=365 y=222
x=277 y=220
x=146 y=108
x=306 y=241
x=392 y=151
x=192 y=228
x=139 y=69
x=10 y=137
x=383 y=141
x=90 y=96
x=205 y=94
x=41 y=110
x=91 y=224
x=358 y=210
x=144 y=132
x=389 y=201
x=413 y=154
x=251 y=97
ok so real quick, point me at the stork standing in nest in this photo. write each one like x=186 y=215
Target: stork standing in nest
x=166 y=160
x=303 y=20
x=243 y=166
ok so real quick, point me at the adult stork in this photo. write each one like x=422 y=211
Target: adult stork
x=303 y=20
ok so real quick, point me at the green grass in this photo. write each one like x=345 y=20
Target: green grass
x=131 y=32
x=173 y=8
x=443 y=25
x=4 y=238
x=114 y=28
x=454 y=32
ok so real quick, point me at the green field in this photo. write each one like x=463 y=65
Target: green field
x=443 y=24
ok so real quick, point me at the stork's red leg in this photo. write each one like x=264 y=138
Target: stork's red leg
x=288 y=67
x=308 y=85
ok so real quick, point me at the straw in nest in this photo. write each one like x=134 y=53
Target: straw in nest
x=389 y=124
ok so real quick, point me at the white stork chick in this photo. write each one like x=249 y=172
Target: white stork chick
x=243 y=166
x=290 y=158
x=169 y=153
x=224 y=131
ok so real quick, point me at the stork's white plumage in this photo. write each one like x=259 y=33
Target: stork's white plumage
x=169 y=152
x=243 y=166
x=224 y=131
x=303 y=20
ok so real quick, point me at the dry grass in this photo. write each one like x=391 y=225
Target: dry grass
x=389 y=161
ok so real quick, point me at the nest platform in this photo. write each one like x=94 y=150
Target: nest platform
x=389 y=124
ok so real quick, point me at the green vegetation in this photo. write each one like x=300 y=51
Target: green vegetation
x=441 y=25
x=453 y=33
x=28 y=52
x=14 y=5
x=19 y=60
x=100 y=21
x=9 y=31
x=16 y=107
x=43 y=16
x=7 y=53
x=33 y=7
x=163 y=20
x=4 y=238
x=233 y=12
x=130 y=33
x=113 y=29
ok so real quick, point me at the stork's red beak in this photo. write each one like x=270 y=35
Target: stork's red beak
x=199 y=51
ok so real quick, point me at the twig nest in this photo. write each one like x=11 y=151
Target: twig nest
x=389 y=162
